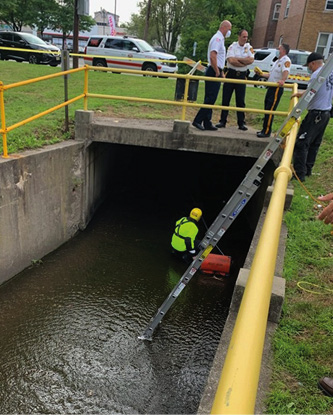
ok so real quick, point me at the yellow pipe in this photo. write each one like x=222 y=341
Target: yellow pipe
x=187 y=86
x=237 y=389
x=41 y=114
x=196 y=77
x=42 y=78
x=85 y=89
x=181 y=103
x=3 y=121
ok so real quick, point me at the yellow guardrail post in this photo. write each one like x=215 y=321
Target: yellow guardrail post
x=85 y=88
x=3 y=121
x=237 y=389
x=186 y=89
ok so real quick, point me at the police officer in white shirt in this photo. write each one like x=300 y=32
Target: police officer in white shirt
x=279 y=74
x=313 y=126
x=240 y=55
x=216 y=60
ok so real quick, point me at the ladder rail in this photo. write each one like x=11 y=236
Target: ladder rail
x=239 y=199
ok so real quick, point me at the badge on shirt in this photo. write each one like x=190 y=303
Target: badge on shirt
x=287 y=64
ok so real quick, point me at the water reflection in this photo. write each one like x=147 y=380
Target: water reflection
x=70 y=325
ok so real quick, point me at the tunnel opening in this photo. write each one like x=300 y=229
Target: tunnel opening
x=71 y=322
x=167 y=184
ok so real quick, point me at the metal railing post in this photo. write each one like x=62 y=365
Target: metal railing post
x=85 y=88
x=65 y=67
x=3 y=121
x=187 y=86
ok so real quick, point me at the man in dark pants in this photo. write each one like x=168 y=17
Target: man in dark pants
x=279 y=74
x=240 y=55
x=313 y=126
x=216 y=60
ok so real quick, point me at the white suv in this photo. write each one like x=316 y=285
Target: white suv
x=113 y=51
x=264 y=58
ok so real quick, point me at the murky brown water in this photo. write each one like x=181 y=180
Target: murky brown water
x=69 y=326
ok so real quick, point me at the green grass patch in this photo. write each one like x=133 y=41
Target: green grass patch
x=303 y=343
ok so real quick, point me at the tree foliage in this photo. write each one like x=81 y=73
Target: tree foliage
x=16 y=13
x=165 y=21
x=63 y=19
x=191 y=21
x=42 y=14
x=204 y=19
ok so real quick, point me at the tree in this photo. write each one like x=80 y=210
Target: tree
x=168 y=17
x=43 y=10
x=63 y=19
x=203 y=21
x=160 y=21
x=16 y=13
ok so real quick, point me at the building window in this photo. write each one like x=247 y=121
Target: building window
x=287 y=8
x=281 y=40
x=329 y=5
x=270 y=44
x=276 y=12
x=325 y=44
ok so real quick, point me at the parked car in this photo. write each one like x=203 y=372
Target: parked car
x=264 y=58
x=31 y=43
x=109 y=48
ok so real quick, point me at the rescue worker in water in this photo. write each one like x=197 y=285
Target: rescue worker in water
x=184 y=243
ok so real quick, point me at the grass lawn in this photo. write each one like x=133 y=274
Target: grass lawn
x=303 y=344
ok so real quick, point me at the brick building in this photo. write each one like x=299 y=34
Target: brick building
x=303 y=24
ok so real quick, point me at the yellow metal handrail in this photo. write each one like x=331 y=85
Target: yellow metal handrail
x=86 y=94
x=237 y=389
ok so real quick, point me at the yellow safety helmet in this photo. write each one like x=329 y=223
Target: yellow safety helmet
x=196 y=214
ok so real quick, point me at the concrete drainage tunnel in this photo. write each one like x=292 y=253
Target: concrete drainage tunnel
x=71 y=322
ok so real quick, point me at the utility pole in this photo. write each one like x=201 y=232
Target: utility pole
x=115 y=12
x=76 y=36
x=145 y=35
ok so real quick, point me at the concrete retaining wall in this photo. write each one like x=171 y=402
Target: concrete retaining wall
x=46 y=196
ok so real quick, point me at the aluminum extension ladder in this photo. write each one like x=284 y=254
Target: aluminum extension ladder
x=240 y=198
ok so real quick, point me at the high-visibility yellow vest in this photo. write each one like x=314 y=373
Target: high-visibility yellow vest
x=185 y=232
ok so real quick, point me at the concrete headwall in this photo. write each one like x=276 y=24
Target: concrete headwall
x=46 y=196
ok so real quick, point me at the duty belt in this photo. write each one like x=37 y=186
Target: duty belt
x=319 y=111
x=237 y=73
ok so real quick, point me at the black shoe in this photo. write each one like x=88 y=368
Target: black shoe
x=243 y=128
x=260 y=134
x=211 y=128
x=326 y=385
x=198 y=126
x=220 y=125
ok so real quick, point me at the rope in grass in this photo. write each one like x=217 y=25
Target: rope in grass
x=319 y=202
x=301 y=283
